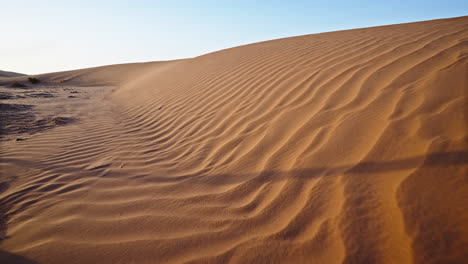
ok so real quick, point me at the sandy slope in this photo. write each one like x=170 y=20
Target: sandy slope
x=342 y=147
x=103 y=75
x=9 y=74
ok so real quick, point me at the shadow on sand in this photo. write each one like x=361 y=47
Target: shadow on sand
x=435 y=160
x=9 y=258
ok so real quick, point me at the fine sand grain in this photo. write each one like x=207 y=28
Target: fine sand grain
x=341 y=147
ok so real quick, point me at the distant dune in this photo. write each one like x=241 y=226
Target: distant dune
x=103 y=75
x=340 y=147
x=10 y=74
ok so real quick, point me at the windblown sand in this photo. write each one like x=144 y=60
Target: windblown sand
x=342 y=147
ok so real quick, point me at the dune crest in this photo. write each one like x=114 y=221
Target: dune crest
x=341 y=147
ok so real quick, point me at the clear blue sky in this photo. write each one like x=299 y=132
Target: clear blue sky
x=40 y=36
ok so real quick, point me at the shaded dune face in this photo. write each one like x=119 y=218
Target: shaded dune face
x=342 y=147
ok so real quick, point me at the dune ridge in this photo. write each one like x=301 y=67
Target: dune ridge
x=6 y=74
x=340 y=147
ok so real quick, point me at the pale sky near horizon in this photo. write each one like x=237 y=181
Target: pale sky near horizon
x=48 y=36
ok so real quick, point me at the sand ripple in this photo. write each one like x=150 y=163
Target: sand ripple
x=342 y=147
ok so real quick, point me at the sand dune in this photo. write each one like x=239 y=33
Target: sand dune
x=103 y=75
x=341 y=147
x=10 y=74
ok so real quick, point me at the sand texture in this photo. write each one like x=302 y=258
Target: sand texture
x=341 y=147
